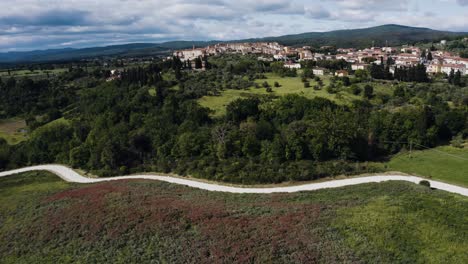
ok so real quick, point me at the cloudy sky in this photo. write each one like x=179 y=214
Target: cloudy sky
x=45 y=24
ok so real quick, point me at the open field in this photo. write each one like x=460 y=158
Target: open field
x=46 y=220
x=289 y=85
x=10 y=130
x=28 y=73
x=446 y=163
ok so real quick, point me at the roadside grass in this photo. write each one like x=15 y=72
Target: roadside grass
x=445 y=163
x=289 y=85
x=45 y=220
x=10 y=130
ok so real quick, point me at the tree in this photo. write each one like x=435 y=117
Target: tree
x=277 y=85
x=457 y=78
x=346 y=81
x=207 y=63
x=451 y=76
x=178 y=74
x=4 y=153
x=307 y=73
x=361 y=74
x=368 y=91
x=429 y=56
x=355 y=89
x=240 y=109
x=390 y=61
x=159 y=93
x=198 y=63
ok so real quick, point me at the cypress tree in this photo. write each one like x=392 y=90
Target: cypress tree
x=457 y=78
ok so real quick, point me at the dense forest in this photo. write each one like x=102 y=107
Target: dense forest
x=121 y=127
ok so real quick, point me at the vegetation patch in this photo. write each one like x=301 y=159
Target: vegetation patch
x=446 y=163
x=416 y=226
x=13 y=131
x=45 y=220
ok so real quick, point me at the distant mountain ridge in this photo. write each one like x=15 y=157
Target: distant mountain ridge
x=358 y=38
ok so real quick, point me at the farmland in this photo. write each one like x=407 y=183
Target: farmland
x=46 y=220
x=12 y=130
x=34 y=74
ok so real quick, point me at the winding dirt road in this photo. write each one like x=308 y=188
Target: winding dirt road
x=70 y=175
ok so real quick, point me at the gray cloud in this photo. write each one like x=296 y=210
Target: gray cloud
x=47 y=18
x=32 y=24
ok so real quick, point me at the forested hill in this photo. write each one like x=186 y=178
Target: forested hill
x=393 y=34
x=136 y=49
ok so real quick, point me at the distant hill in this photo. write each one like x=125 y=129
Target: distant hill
x=392 y=34
x=136 y=49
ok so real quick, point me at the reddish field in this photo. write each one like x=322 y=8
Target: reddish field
x=215 y=229
x=44 y=220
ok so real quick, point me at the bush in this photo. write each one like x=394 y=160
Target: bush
x=368 y=91
x=306 y=84
x=457 y=141
x=425 y=183
x=277 y=85
x=269 y=90
x=355 y=89
x=265 y=84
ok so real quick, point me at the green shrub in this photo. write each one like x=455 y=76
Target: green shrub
x=457 y=141
x=425 y=183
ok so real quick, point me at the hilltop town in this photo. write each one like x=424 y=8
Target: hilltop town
x=435 y=61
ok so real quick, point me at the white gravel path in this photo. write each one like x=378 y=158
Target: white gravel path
x=70 y=175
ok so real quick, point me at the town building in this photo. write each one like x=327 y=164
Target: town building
x=341 y=73
x=319 y=71
x=447 y=68
x=291 y=65
x=359 y=66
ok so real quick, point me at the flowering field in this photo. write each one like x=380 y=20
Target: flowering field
x=45 y=220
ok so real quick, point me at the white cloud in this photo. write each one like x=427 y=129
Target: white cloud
x=31 y=24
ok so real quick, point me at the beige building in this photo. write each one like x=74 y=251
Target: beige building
x=319 y=71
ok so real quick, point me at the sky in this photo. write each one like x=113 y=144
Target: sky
x=53 y=24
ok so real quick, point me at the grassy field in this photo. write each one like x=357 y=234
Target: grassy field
x=45 y=220
x=289 y=85
x=446 y=163
x=11 y=130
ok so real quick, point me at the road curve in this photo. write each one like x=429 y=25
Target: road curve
x=70 y=175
